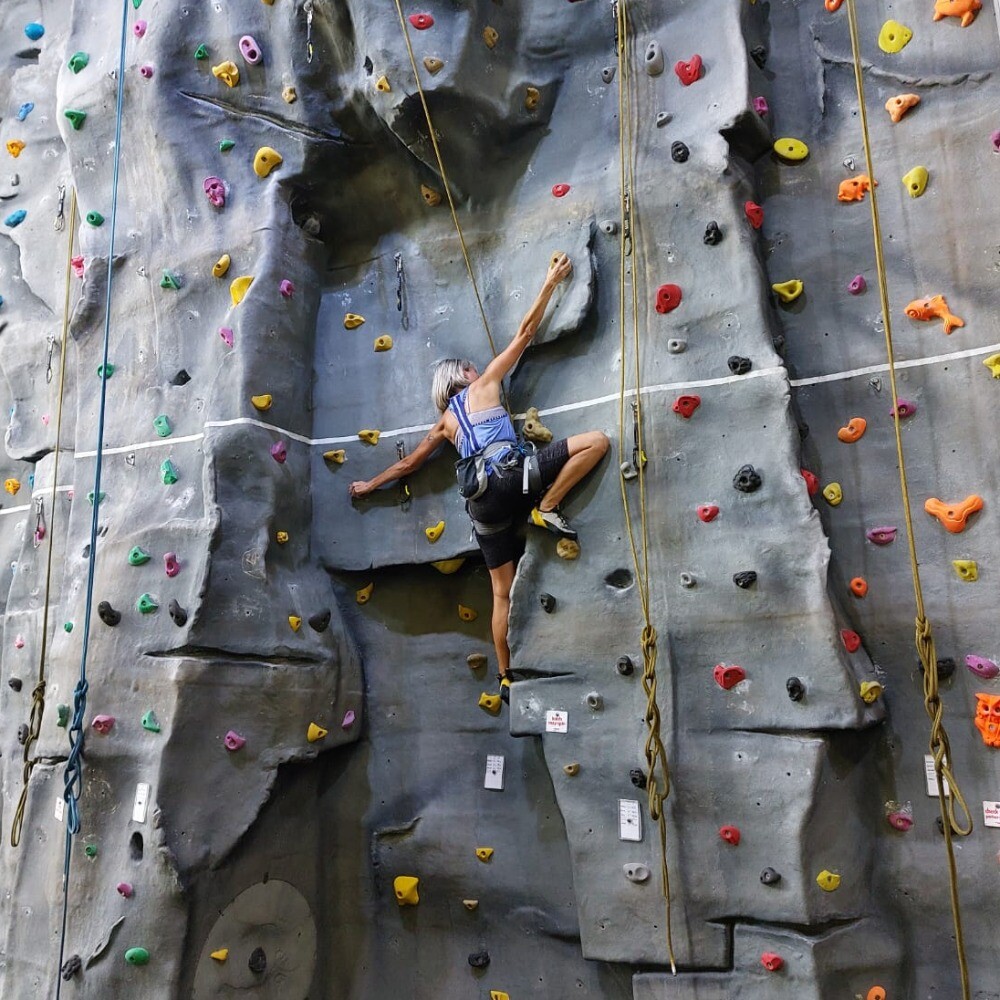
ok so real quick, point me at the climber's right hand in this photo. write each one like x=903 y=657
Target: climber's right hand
x=360 y=489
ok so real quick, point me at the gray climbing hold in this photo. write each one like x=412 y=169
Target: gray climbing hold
x=624 y=666
x=608 y=73
x=609 y=227
x=71 y=967
x=638 y=777
x=654 y=58
x=594 y=701
x=675 y=346
x=687 y=580
x=663 y=118
x=770 y=877
x=635 y=872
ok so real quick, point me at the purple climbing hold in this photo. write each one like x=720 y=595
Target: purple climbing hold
x=227 y=335
x=881 y=536
x=170 y=564
x=215 y=189
x=904 y=408
x=104 y=723
x=234 y=741
x=279 y=452
x=146 y=71
x=286 y=288
x=760 y=106
x=124 y=889
x=857 y=284
x=995 y=140
x=349 y=718
x=250 y=50
x=139 y=29
x=982 y=667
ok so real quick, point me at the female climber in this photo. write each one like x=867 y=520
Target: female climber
x=475 y=422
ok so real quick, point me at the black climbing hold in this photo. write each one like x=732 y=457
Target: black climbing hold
x=738 y=365
x=320 y=621
x=14 y=683
x=946 y=667
x=637 y=777
x=135 y=846
x=181 y=378
x=369 y=65
x=71 y=967
x=548 y=603
x=608 y=74
x=795 y=688
x=778 y=340
x=939 y=823
x=747 y=479
x=257 y=962
x=713 y=234
x=479 y=959
x=107 y=614
x=679 y=152
x=746 y=579
x=22 y=733
x=759 y=55
x=177 y=614
x=770 y=877
x=625 y=666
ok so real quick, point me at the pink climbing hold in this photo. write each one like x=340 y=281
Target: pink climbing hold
x=850 y=639
x=349 y=718
x=19 y=642
x=668 y=298
x=279 y=452
x=103 y=723
x=170 y=564
x=690 y=71
x=227 y=335
x=139 y=29
x=983 y=667
x=995 y=141
x=146 y=71
x=904 y=408
x=900 y=819
x=77 y=264
x=559 y=190
x=124 y=889
x=760 y=106
x=234 y=741
x=754 y=214
x=881 y=536
x=286 y=288
x=857 y=284
x=250 y=50
x=421 y=21
x=215 y=189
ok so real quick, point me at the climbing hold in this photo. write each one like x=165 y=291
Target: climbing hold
x=594 y=701
x=654 y=58
x=713 y=234
x=484 y=853
x=281 y=537
x=534 y=429
x=854 y=188
x=635 y=872
x=405 y=887
x=201 y=53
x=430 y=196
x=833 y=494
x=571 y=770
x=150 y=722
x=728 y=677
x=567 y=548
x=690 y=71
x=954 y=516
x=448 y=566
x=137 y=557
x=967 y=569
x=676 y=345
x=899 y=815
x=490 y=36
x=479 y=959
x=363 y=595
x=608 y=74
x=687 y=580
x=315 y=733
x=945 y=667
x=421 y=21
x=686 y=405
x=15 y=218
x=828 y=881
x=320 y=621
x=795 y=688
x=348 y=719
x=707 y=512
x=881 y=536
x=139 y=29
x=382 y=84
x=383 y=343
x=739 y=365
x=433 y=65
x=234 y=741
x=754 y=214
x=103 y=723
x=934 y=306
x=624 y=666
x=467 y=614
x=854 y=430
x=262 y=402
x=215 y=190
x=788 y=291
x=220 y=954
x=770 y=877
x=108 y=615
x=161 y=425
x=859 y=586
x=850 y=639
x=168 y=473
x=875 y=993
x=759 y=55
x=790 y=149
x=893 y=36
x=870 y=691
x=490 y=703
x=34 y=30
x=24 y=110
x=338 y=457
x=857 y=284
x=76 y=119
x=812 y=482
x=370 y=437
x=146 y=605
x=898 y=106
x=745 y=579
x=531 y=98
x=170 y=564
x=286 y=289
x=760 y=106
x=965 y=9
x=137 y=956
x=227 y=335
x=78 y=61
x=470 y=904
x=993 y=363
x=250 y=51
x=747 y=479
x=730 y=834
x=987 y=719
x=352 y=321
x=668 y=298
x=982 y=666
x=663 y=118
x=257 y=963
x=903 y=409
x=560 y=190
x=225 y=145
x=62 y=716
x=221 y=266
x=15 y=146
x=771 y=961
x=435 y=531
x=228 y=72
x=12 y=486
x=170 y=280
x=679 y=152
x=239 y=288
x=499 y=995
x=279 y=452
x=915 y=181
x=548 y=603
x=124 y=889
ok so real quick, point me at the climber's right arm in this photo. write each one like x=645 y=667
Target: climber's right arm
x=436 y=437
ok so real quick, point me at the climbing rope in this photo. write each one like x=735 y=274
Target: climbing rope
x=939 y=745
x=73 y=780
x=657 y=765
x=38 y=695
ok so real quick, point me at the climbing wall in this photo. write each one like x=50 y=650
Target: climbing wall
x=289 y=789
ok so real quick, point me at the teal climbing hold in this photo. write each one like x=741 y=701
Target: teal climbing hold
x=226 y=144
x=78 y=61
x=105 y=371
x=170 y=280
x=162 y=425
x=150 y=722
x=146 y=604
x=136 y=4
x=62 y=716
x=168 y=473
x=76 y=118
x=100 y=499
x=15 y=218
x=34 y=30
x=68 y=626
x=138 y=556
x=95 y=218
x=201 y=52
x=137 y=956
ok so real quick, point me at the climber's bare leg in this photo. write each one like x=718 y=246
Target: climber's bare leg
x=502 y=579
x=585 y=451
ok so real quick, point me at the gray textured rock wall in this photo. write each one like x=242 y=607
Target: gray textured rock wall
x=240 y=852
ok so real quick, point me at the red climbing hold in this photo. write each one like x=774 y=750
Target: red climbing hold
x=771 y=961
x=688 y=72
x=279 y=452
x=812 y=483
x=850 y=639
x=421 y=21
x=728 y=677
x=560 y=189
x=686 y=405
x=754 y=214
x=668 y=298
x=707 y=512
x=730 y=834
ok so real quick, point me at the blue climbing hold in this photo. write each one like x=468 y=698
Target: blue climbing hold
x=24 y=110
x=1 y=300
x=15 y=218
x=34 y=30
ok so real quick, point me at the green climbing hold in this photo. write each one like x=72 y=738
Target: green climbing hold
x=149 y=722
x=76 y=119
x=136 y=4
x=137 y=956
x=62 y=716
x=169 y=473
x=169 y=280
x=90 y=850
x=146 y=604
x=100 y=499
x=226 y=144
x=162 y=425
x=95 y=218
x=138 y=557
x=78 y=61
x=68 y=626
x=201 y=52
x=105 y=371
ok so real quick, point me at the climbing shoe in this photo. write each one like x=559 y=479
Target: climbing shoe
x=504 y=681
x=554 y=521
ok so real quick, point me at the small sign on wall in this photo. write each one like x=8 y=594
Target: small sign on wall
x=556 y=721
x=991 y=814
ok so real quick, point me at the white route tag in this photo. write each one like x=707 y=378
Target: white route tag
x=991 y=814
x=556 y=721
x=932 y=778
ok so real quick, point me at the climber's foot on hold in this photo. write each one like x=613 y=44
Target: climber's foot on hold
x=504 y=681
x=553 y=520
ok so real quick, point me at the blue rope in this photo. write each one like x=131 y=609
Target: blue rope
x=73 y=779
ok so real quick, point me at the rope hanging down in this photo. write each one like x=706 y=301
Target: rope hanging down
x=73 y=781
x=657 y=765
x=939 y=744
x=38 y=695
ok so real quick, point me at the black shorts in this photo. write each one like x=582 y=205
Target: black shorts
x=505 y=501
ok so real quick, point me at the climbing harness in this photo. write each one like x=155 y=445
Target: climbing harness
x=939 y=744
x=38 y=694
x=657 y=765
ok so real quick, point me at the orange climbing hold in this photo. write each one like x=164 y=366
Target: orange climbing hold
x=988 y=718
x=854 y=431
x=832 y=5
x=898 y=106
x=934 y=307
x=965 y=9
x=876 y=993
x=954 y=516
x=14 y=147
x=859 y=586
x=854 y=188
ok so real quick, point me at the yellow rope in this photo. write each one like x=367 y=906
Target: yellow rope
x=657 y=765
x=38 y=695
x=939 y=744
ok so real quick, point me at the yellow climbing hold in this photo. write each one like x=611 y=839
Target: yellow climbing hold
x=265 y=160
x=289 y=95
x=470 y=904
x=449 y=566
x=870 y=691
x=383 y=343
x=220 y=954
x=894 y=36
x=433 y=65
x=363 y=595
x=405 y=887
x=352 y=321
x=467 y=614
x=435 y=531
x=499 y=995
x=295 y=622
x=833 y=494
x=382 y=84
x=993 y=363
x=431 y=196
x=567 y=548
x=221 y=266
x=12 y=486
x=490 y=36
x=261 y=402
x=915 y=181
x=239 y=287
x=338 y=457
x=828 y=881
x=369 y=437
x=281 y=537
x=966 y=569
x=315 y=733
x=228 y=72
x=484 y=853
x=14 y=147
x=791 y=149
x=788 y=291
x=534 y=429
x=572 y=769
x=490 y=703
x=531 y=98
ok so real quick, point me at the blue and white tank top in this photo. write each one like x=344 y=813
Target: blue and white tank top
x=479 y=430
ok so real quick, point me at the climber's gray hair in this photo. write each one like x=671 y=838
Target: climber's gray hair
x=450 y=376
